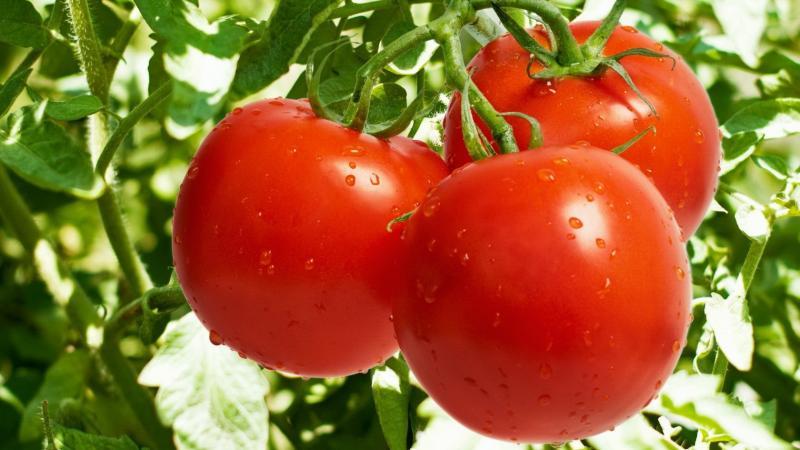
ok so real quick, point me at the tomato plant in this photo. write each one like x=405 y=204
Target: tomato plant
x=572 y=302
x=280 y=238
x=168 y=170
x=682 y=153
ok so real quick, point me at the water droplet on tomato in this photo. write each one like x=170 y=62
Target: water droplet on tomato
x=265 y=258
x=676 y=345
x=546 y=175
x=629 y=29
x=193 y=170
x=276 y=102
x=562 y=161
x=589 y=197
x=350 y=180
x=570 y=236
x=465 y=259
x=699 y=137
x=309 y=265
x=430 y=208
x=613 y=254
x=496 y=322
x=680 y=273
x=352 y=164
x=600 y=242
x=237 y=111
x=242 y=355
x=214 y=337
x=600 y=188
x=545 y=371
x=543 y=400
x=576 y=223
x=374 y=179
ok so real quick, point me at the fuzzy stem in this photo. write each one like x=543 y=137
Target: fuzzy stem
x=569 y=52
x=502 y=132
x=88 y=48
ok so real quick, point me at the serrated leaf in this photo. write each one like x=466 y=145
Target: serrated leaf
x=69 y=439
x=74 y=108
x=733 y=327
x=200 y=56
x=390 y=390
x=752 y=222
x=10 y=90
x=42 y=153
x=280 y=44
x=65 y=379
x=21 y=25
x=766 y=119
x=211 y=397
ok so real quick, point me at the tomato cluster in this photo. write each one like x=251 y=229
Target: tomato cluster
x=537 y=296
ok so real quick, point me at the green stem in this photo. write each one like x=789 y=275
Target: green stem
x=502 y=132
x=127 y=124
x=138 y=397
x=355 y=115
x=569 y=52
x=89 y=52
x=51 y=269
x=120 y=42
x=595 y=43
x=129 y=261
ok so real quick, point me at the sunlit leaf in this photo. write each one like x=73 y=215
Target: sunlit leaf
x=21 y=25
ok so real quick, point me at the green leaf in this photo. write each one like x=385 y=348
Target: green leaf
x=733 y=327
x=74 y=108
x=775 y=165
x=694 y=398
x=388 y=102
x=766 y=119
x=633 y=433
x=390 y=390
x=201 y=57
x=413 y=59
x=69 y=439
x=42 y=153
x=280 y=44
x=744 y=22
x=211 y=397
x=752 y=221
x=21 y=25
x=65 y=379
x=10 y=90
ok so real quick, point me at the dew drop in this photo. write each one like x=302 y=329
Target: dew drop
x=374 y=179
x=256 y=112
x=546 y=175
x=680 y=273
x=629 y=29
x=600 y=188
x=309 y=265
x=431 y=245
x=350 y=180
x=600 y=243
x=352 y=164
x=699 y=137
x=237 y=111
x=545 y=371
x=465 y=259
x=576 y=223
x=496 y=322
x=544 y=400
x=214 y=337
x=589 y=197
x=265 y=258
x=193 y=170
x=561 y=161
x=676 y=346
x=430 y=208
x=242 y=355
x=570 y=236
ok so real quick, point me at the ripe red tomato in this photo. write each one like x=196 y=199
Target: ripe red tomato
x=681 y=157
x=548 y=294
x=280 y=239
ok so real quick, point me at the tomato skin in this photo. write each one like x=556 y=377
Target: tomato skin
x=681 y=157
x=548 y=294
x=280 y=239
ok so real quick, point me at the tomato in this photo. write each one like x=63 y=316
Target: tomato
x=548 y=294
x=280 y=239
x=681 y=157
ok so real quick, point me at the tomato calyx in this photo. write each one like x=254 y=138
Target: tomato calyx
x=589 y=61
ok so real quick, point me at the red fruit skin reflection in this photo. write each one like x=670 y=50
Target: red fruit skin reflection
x=548 y=297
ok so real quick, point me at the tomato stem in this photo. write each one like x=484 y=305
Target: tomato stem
x=594 y=45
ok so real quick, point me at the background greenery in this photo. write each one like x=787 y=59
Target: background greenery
x=219 y=53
